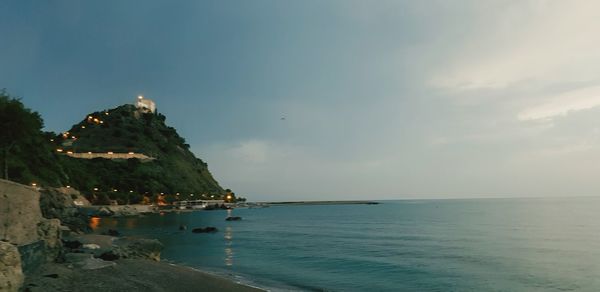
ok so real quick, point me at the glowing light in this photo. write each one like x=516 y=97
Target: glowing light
x=95 y=189
x=51 y=140
x=83 y=127
x=89 y=152
x=90 y=117
x=101 y=122
x=69 y=152
x=59 y=150
x=68 y=187
x=115 y=190
x=130 y=153
x=33 y=184
x=140 y=97
x=131 y=191
x=94 y=222
x=73 y=137
x=106 y=113
x=228 y=197
x=110 y=153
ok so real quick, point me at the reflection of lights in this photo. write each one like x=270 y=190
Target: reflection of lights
x=94 y=222
x=228 y=250
x=228 y=256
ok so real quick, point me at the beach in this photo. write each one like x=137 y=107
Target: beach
x=129 y=275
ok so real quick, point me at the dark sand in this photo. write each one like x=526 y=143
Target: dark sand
x=129 y=275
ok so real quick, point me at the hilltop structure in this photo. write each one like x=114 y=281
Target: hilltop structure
x=145 y=105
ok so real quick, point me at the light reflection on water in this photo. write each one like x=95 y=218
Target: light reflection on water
x=228 y=249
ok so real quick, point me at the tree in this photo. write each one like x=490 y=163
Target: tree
x=17 y=125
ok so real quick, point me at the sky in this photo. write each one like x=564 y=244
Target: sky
x=381 y=99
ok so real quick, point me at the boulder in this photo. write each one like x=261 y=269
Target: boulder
x=60 y=204
x=49 y=232
x=11 y=273
x=104 y=212
x=233 y=218
x=208 y=229
x=137 y=248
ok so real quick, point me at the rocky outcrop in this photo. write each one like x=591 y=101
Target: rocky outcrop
x=63 y=204
x=137 y=248
x=19 y=213
x=11 y=274
x=27 y=238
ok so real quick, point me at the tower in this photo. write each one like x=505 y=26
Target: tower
x=146 y=105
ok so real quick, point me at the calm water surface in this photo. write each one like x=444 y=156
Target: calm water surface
x=425 y=245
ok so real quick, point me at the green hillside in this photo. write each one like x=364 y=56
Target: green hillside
x=175 y=170
x=31 y=156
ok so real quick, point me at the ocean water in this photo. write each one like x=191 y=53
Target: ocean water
x=409 y=245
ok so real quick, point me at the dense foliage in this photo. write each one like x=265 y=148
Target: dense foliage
x=27 y=155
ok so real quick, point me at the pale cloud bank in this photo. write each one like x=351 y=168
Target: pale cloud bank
x=563 y=104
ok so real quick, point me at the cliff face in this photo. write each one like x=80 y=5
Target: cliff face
x=26 y=238
x=125 y=131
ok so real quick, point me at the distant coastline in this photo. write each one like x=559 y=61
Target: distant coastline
x=355 y=202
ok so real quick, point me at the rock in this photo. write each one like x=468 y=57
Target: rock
x=94 y=264
x=91 y=246
x=104 y=212
x=204 y=230
x=49 y=231
x=60 y=204
x=137 y=248
x=19 y=213
x=72 y=244
x=11 y=273
x=113 y=232
x=86 y=261
x=233 y=218
x=109 y=256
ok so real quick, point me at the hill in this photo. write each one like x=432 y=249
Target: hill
x=173 y=169
x=138 y=157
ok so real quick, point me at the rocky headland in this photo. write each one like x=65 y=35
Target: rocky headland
x=45 y=245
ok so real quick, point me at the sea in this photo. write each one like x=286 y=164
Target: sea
x=550 y=244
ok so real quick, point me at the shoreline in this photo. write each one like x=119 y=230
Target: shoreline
x=131 y=275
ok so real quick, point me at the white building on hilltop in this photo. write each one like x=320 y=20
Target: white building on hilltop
x=145 y=104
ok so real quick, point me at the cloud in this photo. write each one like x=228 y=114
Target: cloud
x=528 y=42
x=564 y=104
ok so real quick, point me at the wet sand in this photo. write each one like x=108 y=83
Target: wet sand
x=129 y=275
